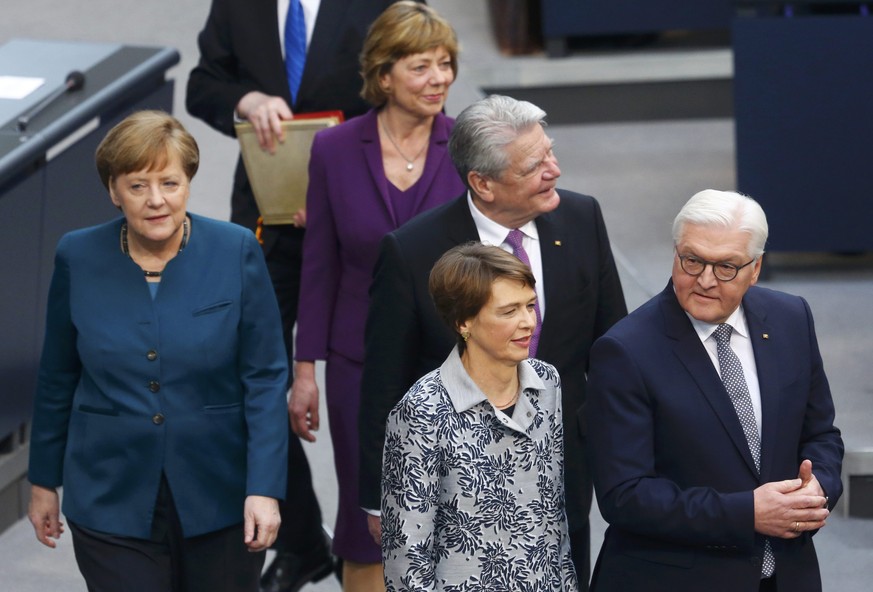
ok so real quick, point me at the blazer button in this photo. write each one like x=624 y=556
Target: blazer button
x=154 y=386
x=152 y=355
x=157 y=419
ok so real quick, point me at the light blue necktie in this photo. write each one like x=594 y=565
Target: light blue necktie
x=295 y=47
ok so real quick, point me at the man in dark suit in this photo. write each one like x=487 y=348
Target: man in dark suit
x=502 y=153
x=714 y=453
x=242 y=76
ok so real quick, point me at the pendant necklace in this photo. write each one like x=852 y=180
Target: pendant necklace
x=126 y=250
x=410 y=164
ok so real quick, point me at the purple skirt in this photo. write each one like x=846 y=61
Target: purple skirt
x=352 y=540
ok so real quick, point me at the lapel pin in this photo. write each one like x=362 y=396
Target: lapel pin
x=766 y=336
x=557 y=243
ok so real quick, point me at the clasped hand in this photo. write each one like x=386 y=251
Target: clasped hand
x=787 y=509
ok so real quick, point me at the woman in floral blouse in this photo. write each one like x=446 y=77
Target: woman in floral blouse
x=472 y=481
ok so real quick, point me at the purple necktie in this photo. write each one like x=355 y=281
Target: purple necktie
x=513 y=239
x=295 y=47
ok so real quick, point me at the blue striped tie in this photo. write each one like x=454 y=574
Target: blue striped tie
x=295 y=47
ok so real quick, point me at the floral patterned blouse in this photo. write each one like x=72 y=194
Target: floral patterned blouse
x=473 y=500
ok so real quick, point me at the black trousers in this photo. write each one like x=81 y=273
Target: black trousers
x=215 y=562
x=301 y=516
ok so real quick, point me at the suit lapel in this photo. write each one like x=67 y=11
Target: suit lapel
x=266 y=13
x=436 y=153
x=373 y=155
x=693 y=356
x=766 y=363
x=552 y=254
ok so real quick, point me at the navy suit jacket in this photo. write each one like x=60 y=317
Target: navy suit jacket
x=190 y=384
x=240 y=52
x=406 y=339
x=348 y=212
x=672 y=470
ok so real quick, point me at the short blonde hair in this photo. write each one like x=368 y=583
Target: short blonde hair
x=404 y=28
x=146 y=140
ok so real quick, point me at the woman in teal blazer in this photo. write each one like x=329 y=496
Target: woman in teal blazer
x=161 y=398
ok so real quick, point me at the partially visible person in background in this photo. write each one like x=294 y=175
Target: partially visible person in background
x=161 y=395
x=473 y=477
x=367 y=177
x=711 y=424
x=262 y=61
x=500 y=147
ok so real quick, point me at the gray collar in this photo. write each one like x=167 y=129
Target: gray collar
x=465 y=394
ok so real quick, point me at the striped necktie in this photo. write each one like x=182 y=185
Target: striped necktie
x=295 y=47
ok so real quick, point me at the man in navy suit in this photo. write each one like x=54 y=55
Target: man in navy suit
x=502 y=152
x=714 y=453
x=242 y=76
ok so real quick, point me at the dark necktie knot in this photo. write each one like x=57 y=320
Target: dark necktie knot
x=722 y=334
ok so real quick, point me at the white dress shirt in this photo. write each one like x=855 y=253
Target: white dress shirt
x=742 y=346
x=492 y=233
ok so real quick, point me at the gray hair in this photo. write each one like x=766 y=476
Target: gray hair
x=726 y=209
x=484 y=129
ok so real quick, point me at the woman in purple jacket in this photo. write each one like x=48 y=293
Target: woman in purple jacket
x=367 y=177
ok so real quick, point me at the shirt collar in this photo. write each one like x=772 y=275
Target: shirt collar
x=737 y=320
x=492 y=233
x=465 y=394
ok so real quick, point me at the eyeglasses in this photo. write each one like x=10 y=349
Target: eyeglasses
x=722 y=270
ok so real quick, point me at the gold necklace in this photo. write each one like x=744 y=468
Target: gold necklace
x=511 y=402
x=410 y=164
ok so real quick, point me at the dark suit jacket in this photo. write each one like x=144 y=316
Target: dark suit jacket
x=672 y=469
x=405 y=337
x=240 y=52
x=349 y=211
x=190 y=384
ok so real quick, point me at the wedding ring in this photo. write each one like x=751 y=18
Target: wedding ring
x=797 y=527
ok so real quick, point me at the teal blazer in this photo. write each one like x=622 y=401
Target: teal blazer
x=190 y=384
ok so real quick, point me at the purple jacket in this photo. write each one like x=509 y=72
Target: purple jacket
x=348 y=212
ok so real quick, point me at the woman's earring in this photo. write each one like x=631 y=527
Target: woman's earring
x=465 y=335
